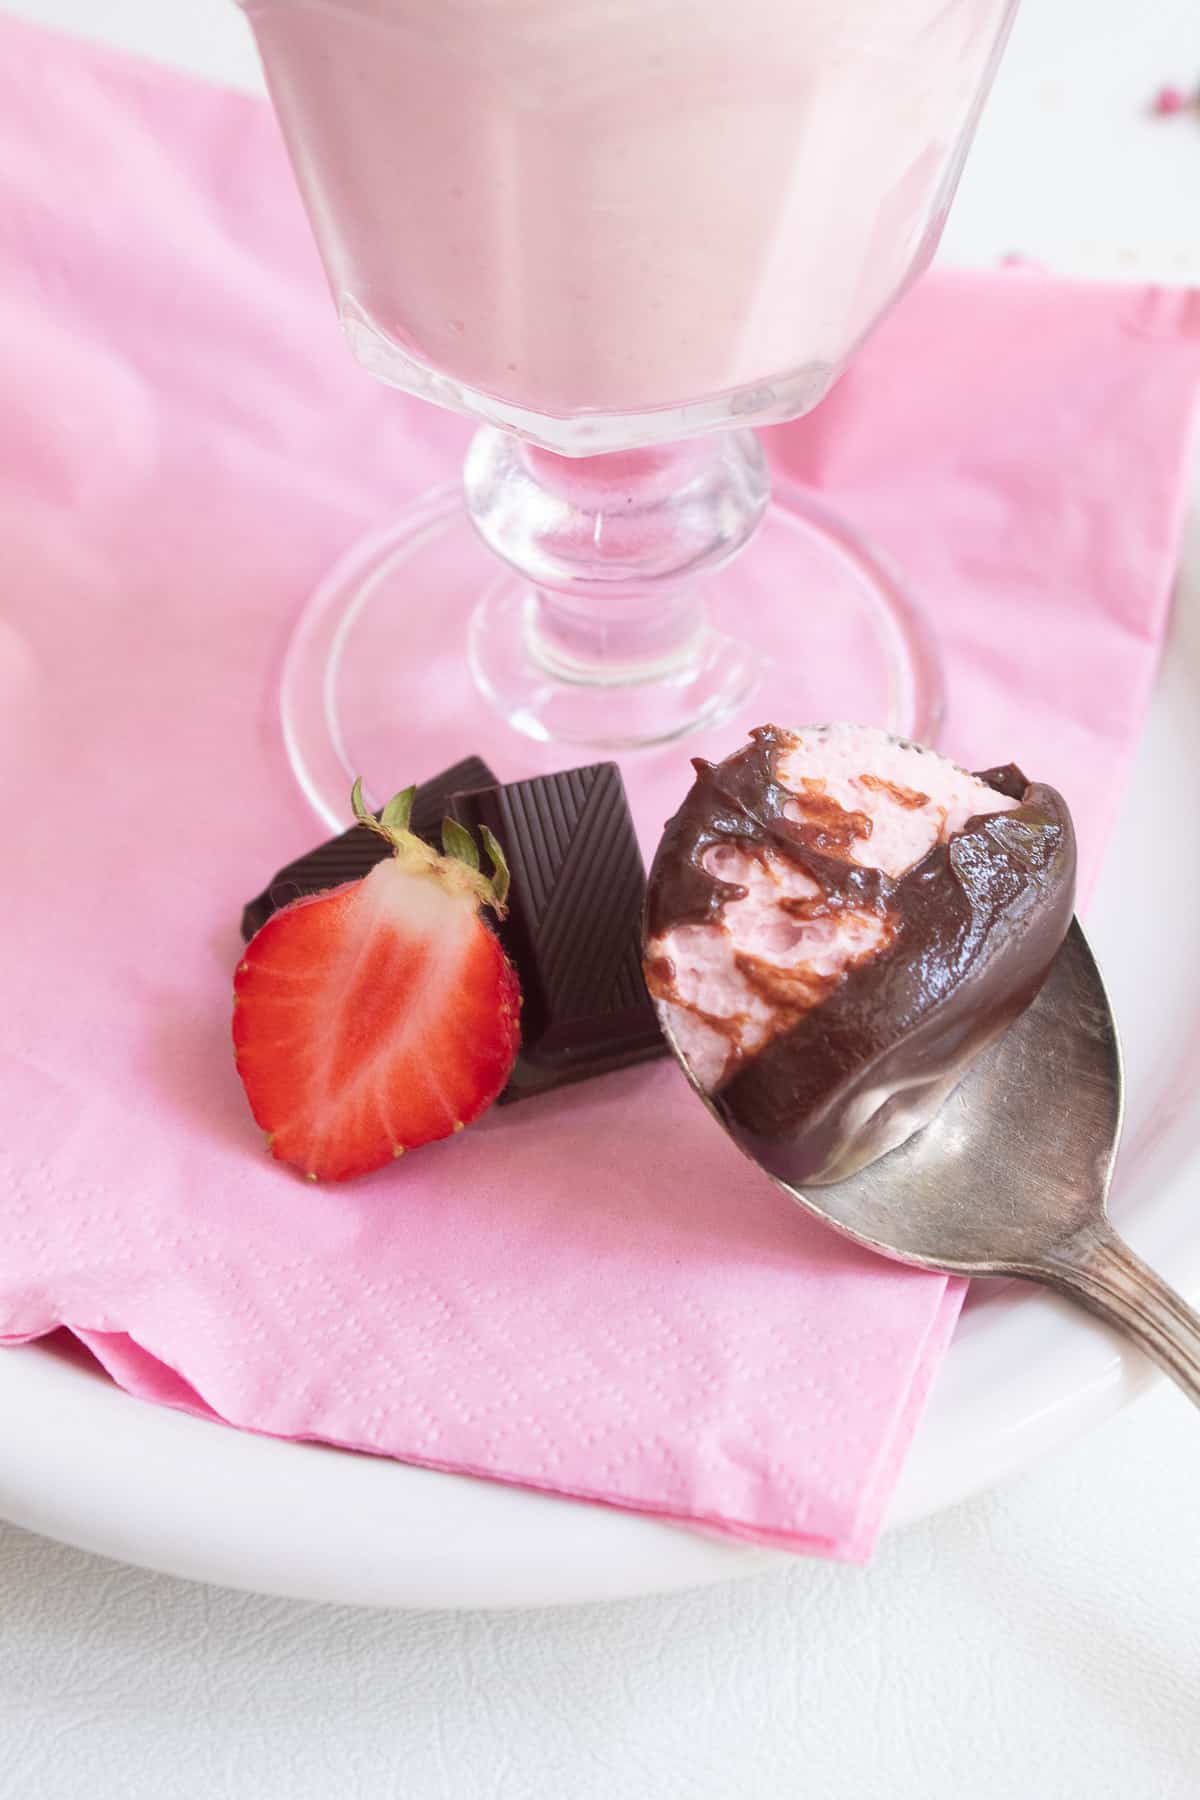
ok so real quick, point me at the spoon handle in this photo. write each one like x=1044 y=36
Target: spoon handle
x=1099 y=1270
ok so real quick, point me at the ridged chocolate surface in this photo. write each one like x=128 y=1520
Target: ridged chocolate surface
x=573 y=930
x=574 y=923
x=355 y=852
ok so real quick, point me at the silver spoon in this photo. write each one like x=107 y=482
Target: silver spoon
x=1011 y=1176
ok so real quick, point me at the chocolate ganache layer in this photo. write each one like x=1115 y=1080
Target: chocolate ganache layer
x=835 y=1058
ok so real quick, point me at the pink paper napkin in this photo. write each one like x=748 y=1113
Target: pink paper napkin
x=591 y=1293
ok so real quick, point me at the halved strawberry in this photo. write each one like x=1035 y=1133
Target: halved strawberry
x=383 y=1014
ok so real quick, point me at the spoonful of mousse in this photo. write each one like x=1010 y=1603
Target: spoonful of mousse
x=865 y=961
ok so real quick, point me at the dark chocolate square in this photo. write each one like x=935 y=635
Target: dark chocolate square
x=573 y=929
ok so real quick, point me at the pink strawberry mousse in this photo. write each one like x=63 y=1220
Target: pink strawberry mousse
x=780 y=944
x=837 y=923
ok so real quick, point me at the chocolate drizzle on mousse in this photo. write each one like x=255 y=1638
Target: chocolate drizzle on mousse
x=903 y=796
x=742 y=802
x=973 y=928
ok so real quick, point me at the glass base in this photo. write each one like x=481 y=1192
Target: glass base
x=419 y=648
x=543 y=696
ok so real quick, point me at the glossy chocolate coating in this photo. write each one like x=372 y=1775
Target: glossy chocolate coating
x=978 y=922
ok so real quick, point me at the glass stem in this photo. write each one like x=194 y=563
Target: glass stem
x=615 y=547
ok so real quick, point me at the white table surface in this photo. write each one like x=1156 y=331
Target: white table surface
x=1041 y=1641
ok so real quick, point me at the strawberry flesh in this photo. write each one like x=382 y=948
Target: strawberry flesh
x=372 y=1019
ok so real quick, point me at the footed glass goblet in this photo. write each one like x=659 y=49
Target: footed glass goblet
x=619 y=234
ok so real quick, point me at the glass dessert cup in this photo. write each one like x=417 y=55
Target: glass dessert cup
x=619 y=244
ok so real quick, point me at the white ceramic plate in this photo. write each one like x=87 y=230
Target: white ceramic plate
x=83 y=1462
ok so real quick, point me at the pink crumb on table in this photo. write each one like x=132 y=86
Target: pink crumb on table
x=1170 y=100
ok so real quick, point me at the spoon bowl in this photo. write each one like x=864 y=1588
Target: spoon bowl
x=1018 y=1161
x=1011 y=1176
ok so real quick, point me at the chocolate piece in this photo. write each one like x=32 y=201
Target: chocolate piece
x=573 y=929
x=980 y=919
x=574 y=924
x=355 y=853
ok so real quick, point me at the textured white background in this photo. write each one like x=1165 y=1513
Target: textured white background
x=1043 y=1641
x=1040 y=1644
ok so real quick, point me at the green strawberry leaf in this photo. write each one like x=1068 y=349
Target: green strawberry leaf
x=398 y=811
x=358 y=805
x=501 y=880
x=458 y=842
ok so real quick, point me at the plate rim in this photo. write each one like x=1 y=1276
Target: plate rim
x=160 y=1487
